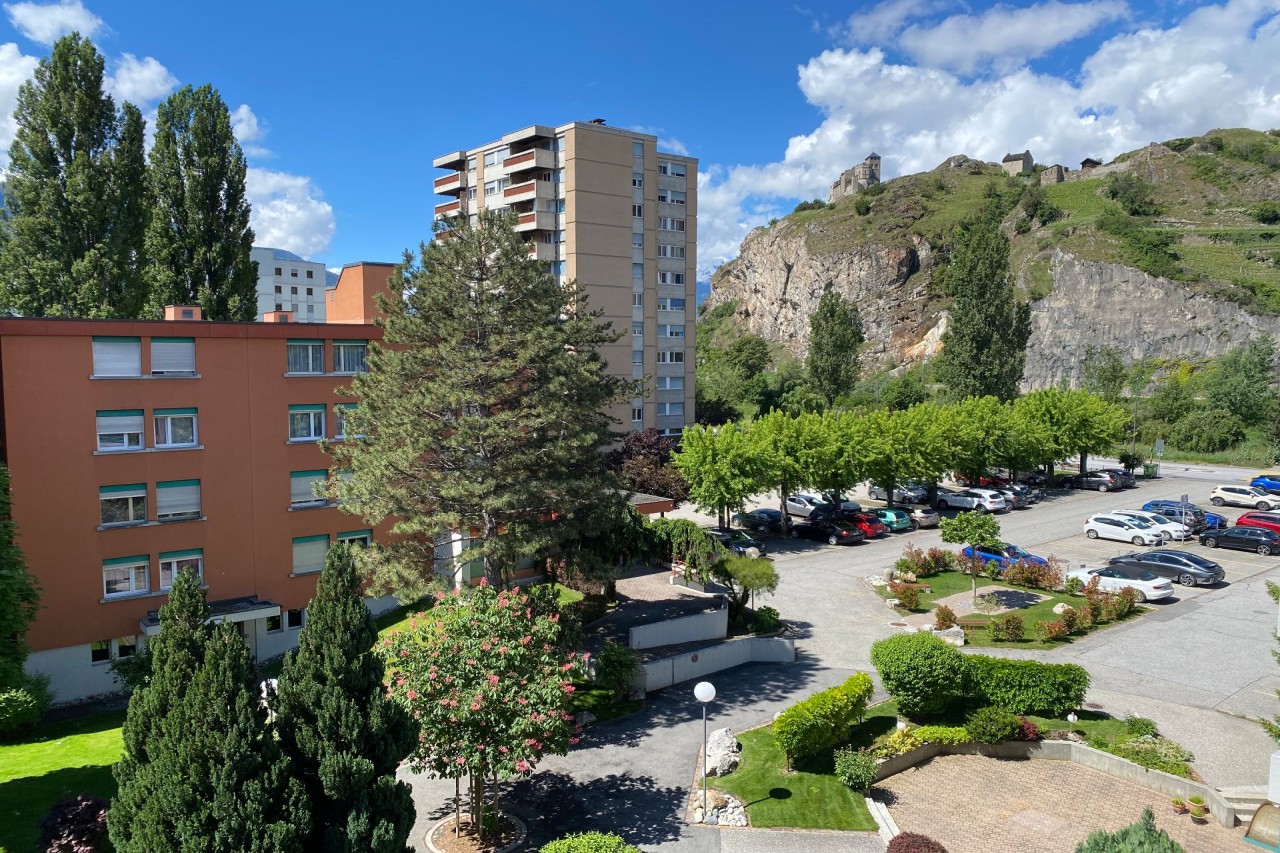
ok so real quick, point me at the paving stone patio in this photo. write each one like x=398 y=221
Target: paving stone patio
x=973 y=803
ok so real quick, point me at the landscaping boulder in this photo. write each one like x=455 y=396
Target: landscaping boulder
x=1061 y=607
x=584 y=718
x=722 y=753
x=954 y=636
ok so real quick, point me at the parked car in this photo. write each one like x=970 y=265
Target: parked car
x=1027 y=478
x=1121 y=529
x=1265 y=520
x=923 y=516
x=1185 y=567
x=982 y=500
x=839 y=501
x=893 y=519
x=736 y=541
x=831 y=532
x=761 y=520
x=1265 y=542
x=1268 y=481
x=1015 y=499
x=1061 y=480
x=1150 y=586
x=1247 y=496
x=870 y=526
x=1189 y=514
x=1002 y=556
x=986 y=481
x=803 y=505
x=910 y=493
x=1169 y=528
x=1101 y=481
x=1125 y=478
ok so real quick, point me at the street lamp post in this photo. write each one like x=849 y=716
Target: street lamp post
x=704 y=692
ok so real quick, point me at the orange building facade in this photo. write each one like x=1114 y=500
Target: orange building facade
x=137 y=449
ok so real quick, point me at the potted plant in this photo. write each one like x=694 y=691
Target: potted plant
x=1198 y=814
x=1179 y=807
x=1197 y=801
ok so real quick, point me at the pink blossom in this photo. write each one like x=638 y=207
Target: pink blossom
x=399 y=682
x=486 y=645
x=523 y=766
x=493 y=679
x=471 y=661
x=475 y=706
x=568 y=688
x=439 y=596
x=484 y=581
x=566 y=667
x=522 y=700
x=524 y=641
x=553 y=618
x=460 y=760
x=502 y=650
x=431 y=675
x=503 y=750
x=448 y=679
x=412 y=694
x=573 y=741
x=404 y=653
x=531 y=741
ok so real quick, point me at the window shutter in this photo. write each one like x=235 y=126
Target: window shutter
x=117 y=356
x=355 y=534
x=178 y=497
x=138 y=490
x=309 y=553
x=302 y=486
x=173 y=355
x=124 y=420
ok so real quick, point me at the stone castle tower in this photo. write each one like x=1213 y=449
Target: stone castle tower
x=858 y=177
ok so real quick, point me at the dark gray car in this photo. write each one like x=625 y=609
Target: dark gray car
x=1186 y=568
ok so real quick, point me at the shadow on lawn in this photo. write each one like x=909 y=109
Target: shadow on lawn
x=26 y=800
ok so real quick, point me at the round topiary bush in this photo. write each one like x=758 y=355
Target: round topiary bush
x=589 y=842
x=993 y=725
x=922 y=672
x=912 y=842
x=855 y=769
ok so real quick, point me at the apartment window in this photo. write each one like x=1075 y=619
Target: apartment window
x=309 y=553
x=275 y=624
x=311 y=312
x=666 y=303
x=670 y=383
x=175 y=427
x=177 y=499
x=100 y=651
x=279 y=289
x=306 y=422
x=670 y=278
x=293 y=274
x=673 y=432
x=666 y=223
x=117 y=356
x=671 y=331
x=340 y=411
x=122 y=504
x=558 y=176
x=490 y=188
x=637 y=210
x=637 y=300
x=305 y=357
x=471 y=164
x=173 y=356
x=671 y=196
x=310 y=289
x=637 y=149
x=303 y=486
x=471 y=193
x=126 y=576
x=173 y=562
x=496 y=156
x=671 y=408
x=637 y=413
x=637 y=179
x=667 y=167
x=665 y=251
x=349 y=356
x=637 y=356
x=555 y=205
x=119 y=429
x=279 y=271
x=293 y=291
x=310 y=274
x=637 y=270
x=126 y=647
x=637 y=241
x=293 y=619
x=670 y=357
x=637 y=330
x=279 y=307
x=557 y=268
x=362 y=538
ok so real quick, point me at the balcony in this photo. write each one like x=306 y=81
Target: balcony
x=448 y=208
x=452 y=160
x=449 y=184
x=528 y=191
x=536 y=221
x=540 y=251
x=534 y=158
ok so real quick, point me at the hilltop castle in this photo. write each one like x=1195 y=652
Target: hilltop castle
x=858 y=177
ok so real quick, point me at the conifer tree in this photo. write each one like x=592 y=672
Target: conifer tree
x=345 y=736
x=19 y=595
x=985 y=348
x=485 y=409
x=835 y=335
x=75 y=196
x=198 y=240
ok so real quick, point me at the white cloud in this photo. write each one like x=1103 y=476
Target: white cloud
x=885 y=20
x=1214 y=68
x=140 y=81
x=46 y=23
x=249 y=131
x=15 y=69
x=665 y=143
x=288 y=212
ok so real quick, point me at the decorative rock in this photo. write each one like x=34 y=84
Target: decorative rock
x=877 y=581
x=722 y=753
x=954 y=636
x=697 y=814
x=1061 y=607
x=892 y=602
x=584 y=718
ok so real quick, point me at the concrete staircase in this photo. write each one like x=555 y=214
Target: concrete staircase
x=1246 y=799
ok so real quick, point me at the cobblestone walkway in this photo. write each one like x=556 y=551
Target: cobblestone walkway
x=973 y=804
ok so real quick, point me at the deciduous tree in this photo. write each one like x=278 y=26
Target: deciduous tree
x=720 y=466
x=835 y=336
x=1079 y=422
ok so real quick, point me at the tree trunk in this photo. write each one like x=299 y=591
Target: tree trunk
x=1084 y=463
x=492 y=571
x=782 y=503
x=457 y=806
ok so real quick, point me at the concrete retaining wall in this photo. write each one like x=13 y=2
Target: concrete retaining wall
x=712 y=625
x=1066 y=750
x=665 y=672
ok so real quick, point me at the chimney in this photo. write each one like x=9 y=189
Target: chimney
x=182 y=312
x=277 y=317
x=596 y=121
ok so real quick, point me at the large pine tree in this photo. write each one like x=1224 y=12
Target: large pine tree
x=345 y=737
x=835 y=336
x=984 y=350
x=484 y=412
x=75 y=194
x=199 y=238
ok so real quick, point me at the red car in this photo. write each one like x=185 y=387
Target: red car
x=1265 y=520
x=986 y=481
x=868 y=524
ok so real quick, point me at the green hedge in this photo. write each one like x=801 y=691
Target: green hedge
x=922 y=672
x=824 y=719
x=1027 y=686
x=589 y=842
x=942 y=734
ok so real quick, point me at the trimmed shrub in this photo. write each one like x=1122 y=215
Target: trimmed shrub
x=20 y=709
x=1054 y=630
x=1070 y=617
x=896 y=742
x=913 y=842
x=1029 y=730
x=589 y=842
x=615 y=668
x=766 y=620
x=75 y=825
x=1026 y=686
x=921 y=671
x=1007 y=629
x=993 y=725
x=1142 y=835
x=942 y=734
x=1140 y=726
x=824 y=719
x=1072 y=586
x=1033 y=575
x=925 y=564
x=855 y=769
x=944 y=617
x=908 y=596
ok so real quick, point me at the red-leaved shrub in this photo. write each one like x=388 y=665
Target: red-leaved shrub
x=912 y=842
x=75 y=825
x=1030 y=731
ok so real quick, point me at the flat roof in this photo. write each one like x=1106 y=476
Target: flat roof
x=70 y=327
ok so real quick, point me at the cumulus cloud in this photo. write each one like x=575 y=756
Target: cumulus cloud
x=288 y=212
x=1213 y=68
x=46 y=23
x=665 y=143
x=249 y=132
x=15 y=69
x=140 y=81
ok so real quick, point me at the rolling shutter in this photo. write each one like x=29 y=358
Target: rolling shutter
x=117 y=356
x=302 y=486
x=309 y=553
x=121 y=420
x=173 y=355
x=178 y=497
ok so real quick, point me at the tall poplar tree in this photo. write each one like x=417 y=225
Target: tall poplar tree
x=19 y=595
x=345 y=736
x=198 y=240
x=835 y=335
x=75 y=194
x=483 y=412
x=984 y=350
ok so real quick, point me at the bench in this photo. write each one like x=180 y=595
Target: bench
x=970 y=623
x=923 y=587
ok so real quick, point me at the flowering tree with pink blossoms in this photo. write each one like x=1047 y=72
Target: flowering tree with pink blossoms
x=490 y=690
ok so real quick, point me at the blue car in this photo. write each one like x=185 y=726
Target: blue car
x=1191 y=515
x=1268 y=481
x=1003 y=556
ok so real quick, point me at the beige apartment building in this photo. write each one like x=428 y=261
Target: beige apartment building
x=602 y=206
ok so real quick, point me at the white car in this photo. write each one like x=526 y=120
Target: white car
x=982 y=500
x=1246 y=496
x=803 y=505
x=1150 y=587
x=1167 y=526
x=1121 y=529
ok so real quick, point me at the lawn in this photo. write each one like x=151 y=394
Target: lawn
x=70 y=757
x=810 y=797
x=600 y=701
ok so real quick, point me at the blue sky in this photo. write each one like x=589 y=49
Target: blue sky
x=341 y=108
